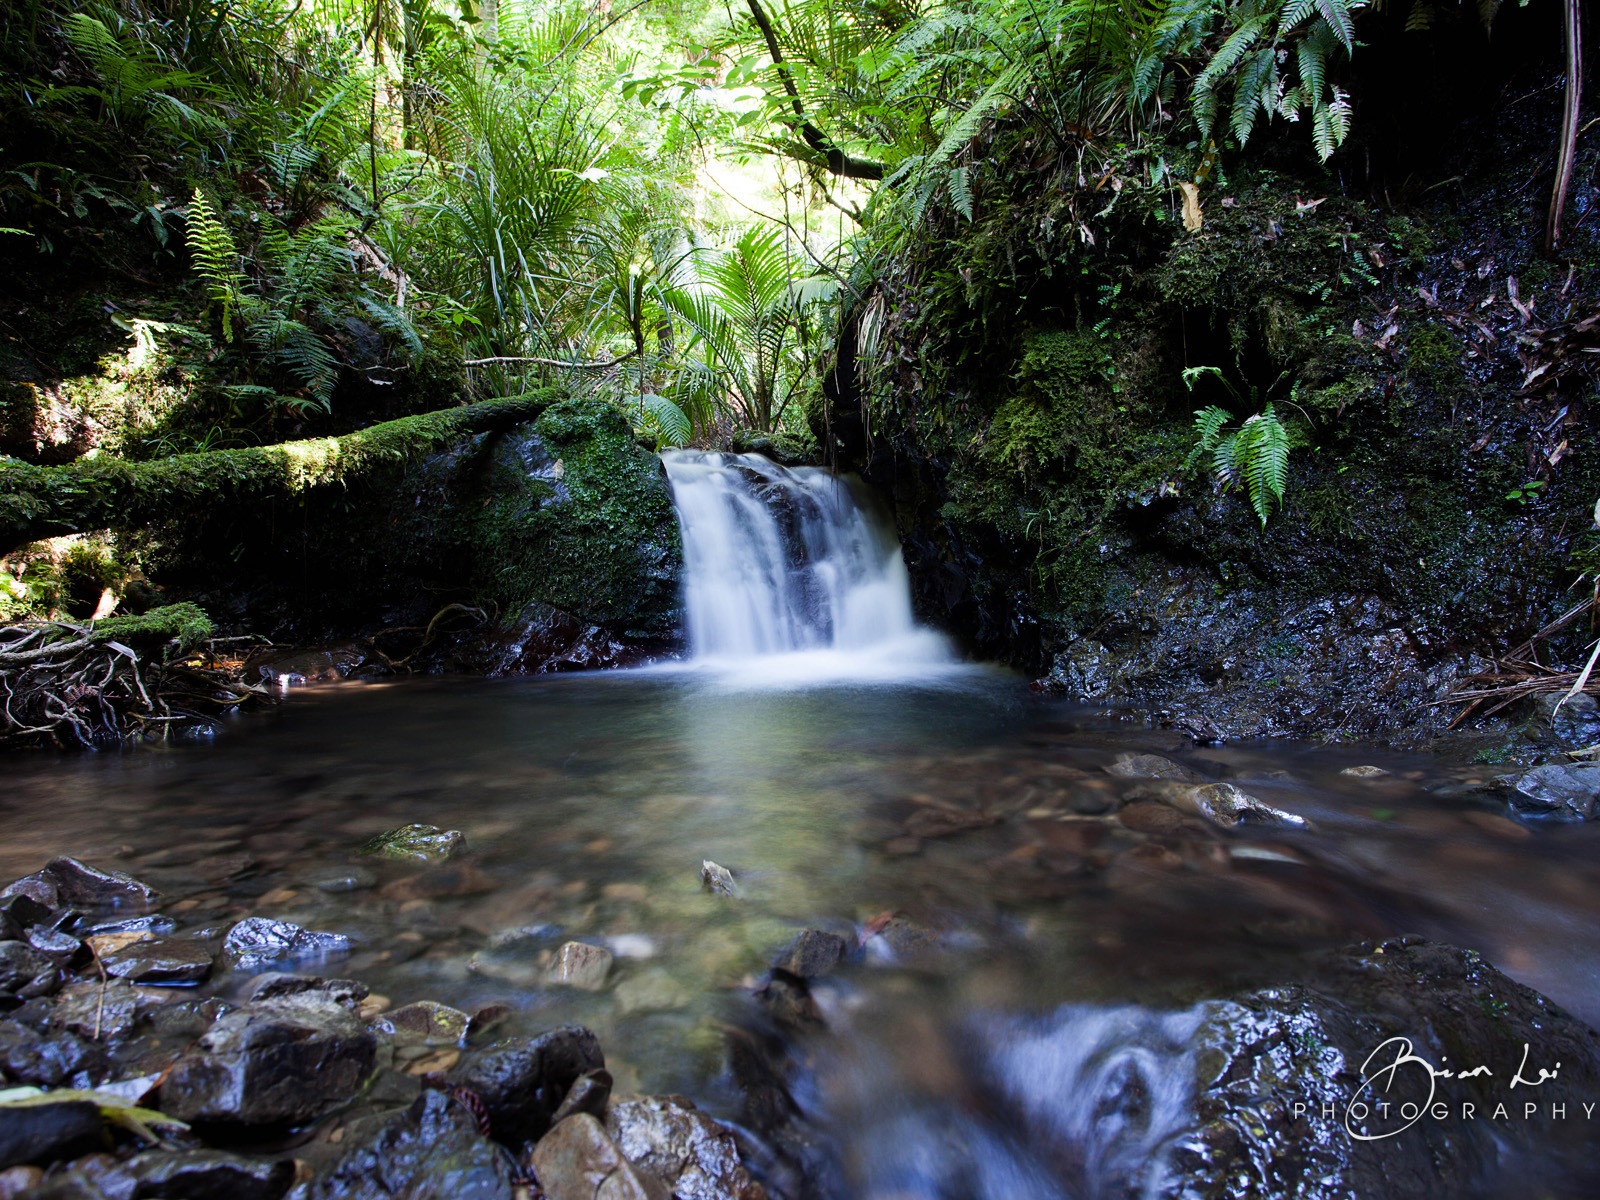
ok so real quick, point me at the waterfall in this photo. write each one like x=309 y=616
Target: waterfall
x=790 y=562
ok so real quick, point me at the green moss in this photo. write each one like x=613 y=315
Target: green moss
x=186 y=622
x=1433 y=358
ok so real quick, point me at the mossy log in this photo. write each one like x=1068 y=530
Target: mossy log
x=108 y=493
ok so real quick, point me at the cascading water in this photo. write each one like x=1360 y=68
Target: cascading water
x=790 y=562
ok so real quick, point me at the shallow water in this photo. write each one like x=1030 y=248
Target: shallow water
x=589 y=803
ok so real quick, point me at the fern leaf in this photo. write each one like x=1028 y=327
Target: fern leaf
x=961 y=192
x=212 y=249
x=665 y=421
x=1339 y=16
x=1267 y=465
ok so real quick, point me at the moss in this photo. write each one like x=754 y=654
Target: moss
x=185 y=622
x=1433 y=359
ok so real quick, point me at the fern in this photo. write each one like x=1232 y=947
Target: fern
x=216 y=259
x=664 y=421
x=1254 y=456
x=961 y=191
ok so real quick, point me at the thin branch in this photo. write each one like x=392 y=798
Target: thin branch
x=551 y=362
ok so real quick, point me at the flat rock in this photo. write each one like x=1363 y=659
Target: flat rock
x=523 y=1081
x=43 y=1133
x=82 y=886
x=432 y=1151
x=1561 y=791
x=256 y=942
x=103 y=1012
x=210 y=1175
x=168 y=962
x=1151 y=766
x=697 y=1158
x=1366 y=771
x=428 y=1021
x=274 y=1062
x=1225 y=805
x=717 y=880
x=274 y=985
x=577 y=1160
x=581 y=965
x=814 y=953
x=417 y=843
x=21 y=964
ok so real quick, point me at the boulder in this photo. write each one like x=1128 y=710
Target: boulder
x=1559 y=791
x=697 y=1158
x=577 y=1160
x=44 y=1133
x=417 y=843
x=274 y=1062
x=169 y=962
x=209 y=1175
x=432 y=1151
x=256 y=942
x=81 y=886
x=522 y=1082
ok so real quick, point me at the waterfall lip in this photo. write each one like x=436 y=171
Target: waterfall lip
x=802 y=669
x=793 y=577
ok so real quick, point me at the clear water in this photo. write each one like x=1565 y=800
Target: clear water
x=590 y=801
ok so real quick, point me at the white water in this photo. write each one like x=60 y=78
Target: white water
x=786 y=568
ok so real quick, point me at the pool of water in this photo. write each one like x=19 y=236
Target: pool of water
x=972 y=807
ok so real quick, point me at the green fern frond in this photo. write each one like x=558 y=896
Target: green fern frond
x=215 y=258
x=961 y=191
x=664 y=421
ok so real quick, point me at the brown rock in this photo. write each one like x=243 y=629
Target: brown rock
x=581 y=965
x=577 y=1160
x=697 y=1158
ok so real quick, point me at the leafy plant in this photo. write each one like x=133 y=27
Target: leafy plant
x=1253 y=455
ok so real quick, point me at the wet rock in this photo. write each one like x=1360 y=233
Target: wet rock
x=788 y=1001
x=1573 y=721
x=813 y=954
x=41 y=1134
x=417 y=843
x=16 y=1182
x=589 y=1093
x=522 y=1082
x=1365 y=772
x=38 y=889
x=430 y=1022
x=154 y=924
x=274 y=1062
x=275 y=985
x=1225 y=805
x=696 y=1158
x=717 y=880
x=169 y=962
x=577 y=1160
x=930 y=822
x=53 y=1060
x=581 y=965
x=1561 y=791
x=61 y=948
x=82 y=886
x=105 y=1013
x=20 y=965
x=209 y=1175
x=432 y=1151
x=256 y=942
x=20 y=912
x=1151 y=766
x=902 y=940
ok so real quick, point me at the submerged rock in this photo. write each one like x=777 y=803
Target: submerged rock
x=815 y=953
x=417 y=843
x=1223 y=804
x=581 y=965
x=717 y=880
x=273 y=1062
x=522 y=1082
x=256 y=941
x=1563 y=791
x=160 y=961
x=1151 y=766
x=697 y=1158
x=432 y=1151
x=427 y=1021
x=577 y=1160
x=82 y=886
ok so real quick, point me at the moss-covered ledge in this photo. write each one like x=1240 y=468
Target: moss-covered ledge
x=110 y=493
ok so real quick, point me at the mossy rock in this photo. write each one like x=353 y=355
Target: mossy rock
x=417 y=843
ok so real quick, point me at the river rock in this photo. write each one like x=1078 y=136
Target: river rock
x=17 y=1182
x=432 y=1151
x=696 y=1158
x=20 y=912
x=20 y=965
x=577 y=1160
x=1225 y=805
x=256 y=941
x=82 y=886
x=1151 y=766
x=815 y=953
x=1573 y=721
x=209 y=1175
x=154 y=924
x=581 y=965
x=523 y=1081
x=38 y=889
x=44 y=1133
x=1562 y=791
x=427 y=1021
x=167 y=962
x=589 y=1093
x=59 y=1059
x=717 y=880
x=1366 y=771
x=275 y=985
x=105 y=1012
x=354 y=880
x=273 y=1062
x=654 y=990
x=417 y=843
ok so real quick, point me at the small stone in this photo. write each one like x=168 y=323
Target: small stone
x=577 y=1160
x=211 y=1175
x=275 y=985
x=589 y=1093
x=40 y=1134
x=82 y=886
x=430 y=1021
x=1225 y=805
x=353 y=880
x=103 y=1012
x=418 y=843
x=256 y=942
x=581 y=965
x=373 y=1006
x=931 y=822
x=697 y=1158
x=1497 y=826
x=1367 y=771
x=57 y=1059
x=717 y=880
x=160 y=962
x=523 y=1081
x=20 y=965
x=652 y=991
x=1146 y=816
x=814 y=953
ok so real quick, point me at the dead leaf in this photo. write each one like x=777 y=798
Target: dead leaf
x=1192 y=220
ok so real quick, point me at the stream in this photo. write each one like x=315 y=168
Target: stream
x=1031 y=917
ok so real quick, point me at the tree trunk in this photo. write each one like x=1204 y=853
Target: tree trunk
x=109 y=493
